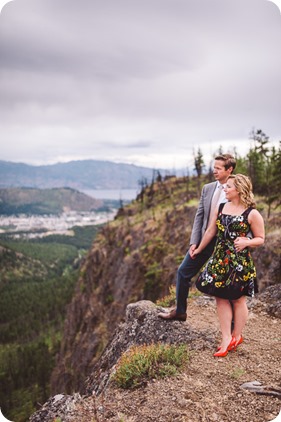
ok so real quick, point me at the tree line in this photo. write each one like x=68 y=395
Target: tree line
x=262 y=164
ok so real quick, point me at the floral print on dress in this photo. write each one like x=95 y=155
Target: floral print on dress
x=228 y=273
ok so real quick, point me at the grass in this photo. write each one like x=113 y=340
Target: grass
x=168 y=300
x=237 y=373
x=142 y=363
x=193 y=292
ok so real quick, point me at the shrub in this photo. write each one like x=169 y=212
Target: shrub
x=168 y=300
x=145 y=362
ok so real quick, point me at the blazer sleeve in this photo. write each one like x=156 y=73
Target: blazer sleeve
x=198 y=221
x=202 y=215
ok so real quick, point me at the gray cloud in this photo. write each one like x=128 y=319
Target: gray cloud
x=90 y=78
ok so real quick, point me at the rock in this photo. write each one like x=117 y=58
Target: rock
x=253 y=386
x=143 y=326
x=57 y=407
x=258 y=388
x=58 y=397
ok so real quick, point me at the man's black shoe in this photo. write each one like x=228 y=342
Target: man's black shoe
x=172 y=316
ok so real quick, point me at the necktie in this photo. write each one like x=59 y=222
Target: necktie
x=215 y=201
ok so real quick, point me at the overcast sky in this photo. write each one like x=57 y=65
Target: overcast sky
x=137 y=81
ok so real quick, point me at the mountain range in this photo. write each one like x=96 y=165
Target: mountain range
x=83 y=174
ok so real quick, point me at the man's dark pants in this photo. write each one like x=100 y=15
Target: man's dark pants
x=188 y=269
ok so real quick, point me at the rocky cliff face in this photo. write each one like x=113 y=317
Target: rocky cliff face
x=134 y=258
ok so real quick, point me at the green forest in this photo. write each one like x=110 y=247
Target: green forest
x=37 y=279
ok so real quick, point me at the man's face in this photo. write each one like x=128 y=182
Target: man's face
x=219 y=171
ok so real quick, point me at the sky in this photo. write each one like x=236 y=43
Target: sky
x=144 y=82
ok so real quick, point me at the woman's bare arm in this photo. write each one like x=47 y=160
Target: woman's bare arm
x=257 y=228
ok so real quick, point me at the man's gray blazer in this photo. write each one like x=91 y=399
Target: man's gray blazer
x=203 y=212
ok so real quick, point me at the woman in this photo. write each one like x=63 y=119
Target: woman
x=230 y=274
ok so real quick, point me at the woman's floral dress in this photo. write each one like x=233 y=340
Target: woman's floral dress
x=229 y=274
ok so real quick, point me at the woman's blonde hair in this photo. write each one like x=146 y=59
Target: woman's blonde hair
x=244 y=187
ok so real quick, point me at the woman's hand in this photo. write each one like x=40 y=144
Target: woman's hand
x=241 y=243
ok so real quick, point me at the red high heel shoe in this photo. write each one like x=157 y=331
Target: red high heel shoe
x=239 y=342
x=220 y=354
x=234 y=343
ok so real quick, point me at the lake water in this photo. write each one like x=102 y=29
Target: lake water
x=124 y=194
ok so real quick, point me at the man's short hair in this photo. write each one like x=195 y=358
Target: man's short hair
x=228 y=159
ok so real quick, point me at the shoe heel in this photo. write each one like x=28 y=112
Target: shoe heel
x=232 y=345
x=235 y=343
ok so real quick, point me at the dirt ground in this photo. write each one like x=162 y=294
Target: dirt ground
x=209 y=389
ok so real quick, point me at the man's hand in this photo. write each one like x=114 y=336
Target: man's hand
x=191 y=251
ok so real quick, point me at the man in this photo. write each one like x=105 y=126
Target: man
x=212 y=194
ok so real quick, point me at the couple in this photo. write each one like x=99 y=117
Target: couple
x=226 y=215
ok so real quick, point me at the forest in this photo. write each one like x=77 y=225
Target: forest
x=37 y=279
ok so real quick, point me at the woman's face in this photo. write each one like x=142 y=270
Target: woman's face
x=230 y=190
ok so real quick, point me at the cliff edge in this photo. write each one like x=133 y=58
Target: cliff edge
x=208 y=389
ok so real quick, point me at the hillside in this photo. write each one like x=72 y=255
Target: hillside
x=135 y=257
x=84 y=174
x=45 y=201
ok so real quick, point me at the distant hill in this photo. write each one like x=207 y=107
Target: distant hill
x=45 y=201
x=84 y=174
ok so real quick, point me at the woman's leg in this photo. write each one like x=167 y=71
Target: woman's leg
x=240 y=316
x=224 y=311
